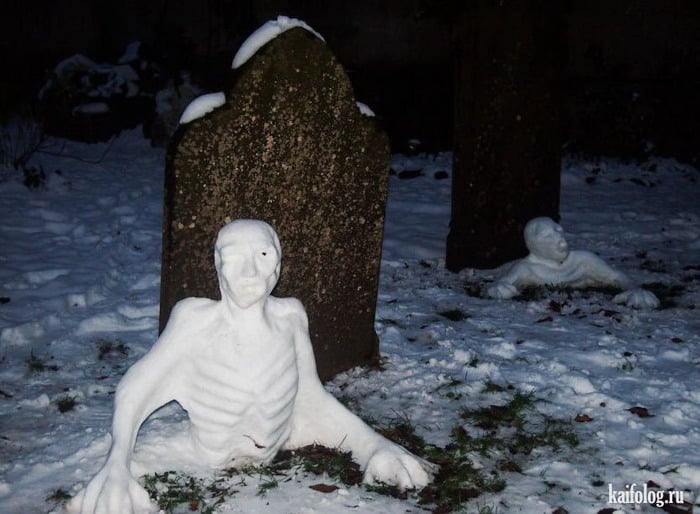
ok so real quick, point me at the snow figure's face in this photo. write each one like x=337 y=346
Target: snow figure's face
x=247 y=257
x=545 y=239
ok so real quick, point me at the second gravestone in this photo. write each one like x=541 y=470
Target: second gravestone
x=290 y=147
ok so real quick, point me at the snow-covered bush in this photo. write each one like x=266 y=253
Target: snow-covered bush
x=171 y=101
x=20 y=139
x=91 y=102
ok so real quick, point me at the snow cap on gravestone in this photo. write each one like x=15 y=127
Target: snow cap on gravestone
x=265 y=34
x=204 y=104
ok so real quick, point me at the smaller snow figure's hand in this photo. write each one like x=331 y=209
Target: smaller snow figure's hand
x=395 y=466
x=638 y=299
x=502 y=291
x=112 y=491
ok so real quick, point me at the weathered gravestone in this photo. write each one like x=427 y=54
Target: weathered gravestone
x=507 y=150
x=289 y=147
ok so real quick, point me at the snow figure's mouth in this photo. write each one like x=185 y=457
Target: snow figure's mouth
x=247 y=292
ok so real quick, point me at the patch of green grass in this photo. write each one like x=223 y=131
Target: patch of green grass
x=508 y=433
x=454 y=315
x=493 y=387
x=320 y=460
x=402 y=432
x=38 y=365
x=110 y=349
x=451 y=394
x=267 y=484
x=553 y=434
x=495 y=416
x=457 y=480
x=627 y=366
x=171 y=490
x=58 y=497
x=508 y=428
x=66 y=403
x=538 y=293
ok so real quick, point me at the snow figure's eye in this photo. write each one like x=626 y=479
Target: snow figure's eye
x=264 y=254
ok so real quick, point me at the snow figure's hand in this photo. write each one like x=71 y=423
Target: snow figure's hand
x=502 y=291
x=638 y=299
x=112 y=491
x=393 y=465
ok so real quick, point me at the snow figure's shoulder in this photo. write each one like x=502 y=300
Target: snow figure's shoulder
x=191 y=309
x=579 y=257
x=202 y=105
x=266 y=33
x=287 y=307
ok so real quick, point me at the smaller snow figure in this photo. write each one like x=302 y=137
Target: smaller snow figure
x=550 y=262
x=243 y=368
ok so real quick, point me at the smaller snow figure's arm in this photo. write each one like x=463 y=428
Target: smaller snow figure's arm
x=604 y=274
x=638 y=298
x=321 y=419
x=506 y=287
x=596 y=272
x=147 y=385
x=502 y=290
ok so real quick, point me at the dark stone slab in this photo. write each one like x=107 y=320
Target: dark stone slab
x=289 y=147
x=509 y=58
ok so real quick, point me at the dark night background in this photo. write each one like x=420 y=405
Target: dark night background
x=630 y=74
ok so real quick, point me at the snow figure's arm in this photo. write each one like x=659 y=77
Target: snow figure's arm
x=600 y=272
x=638 y=298
x=147 y=385
x=319 y=418
x=506 y=286
x=632 y=295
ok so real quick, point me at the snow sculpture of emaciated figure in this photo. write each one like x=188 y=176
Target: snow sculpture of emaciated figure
x=243 y=368
x=550 y=262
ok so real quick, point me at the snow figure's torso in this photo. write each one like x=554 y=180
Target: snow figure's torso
x=580 y=269
x=239 y=389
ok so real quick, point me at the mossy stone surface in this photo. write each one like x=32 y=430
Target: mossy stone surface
x=289 y=147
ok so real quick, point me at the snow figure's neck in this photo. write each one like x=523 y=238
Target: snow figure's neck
x=253 y=315
x=542 y=261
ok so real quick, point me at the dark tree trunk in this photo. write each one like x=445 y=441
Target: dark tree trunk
x=509 y=58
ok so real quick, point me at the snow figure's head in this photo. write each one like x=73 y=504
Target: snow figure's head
x=247 y=256
x=545 y=239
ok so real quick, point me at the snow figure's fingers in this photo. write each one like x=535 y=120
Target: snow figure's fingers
x=419 y=471
x=114 y=503
x=112 y=491
x=638 y=299
x=140 y=501
x=622 y=297
x=502 y=291
x=397 y=467
x=87 y=498
x=128 y=498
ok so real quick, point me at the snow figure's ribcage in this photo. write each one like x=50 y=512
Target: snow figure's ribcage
x=240 y=411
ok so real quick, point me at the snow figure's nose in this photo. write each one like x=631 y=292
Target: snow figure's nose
x=248 y=269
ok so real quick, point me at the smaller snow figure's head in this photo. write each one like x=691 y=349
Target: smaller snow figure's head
x=247 y=256
x=545 y=239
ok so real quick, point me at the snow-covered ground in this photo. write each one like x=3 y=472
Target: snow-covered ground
x=79 y=278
